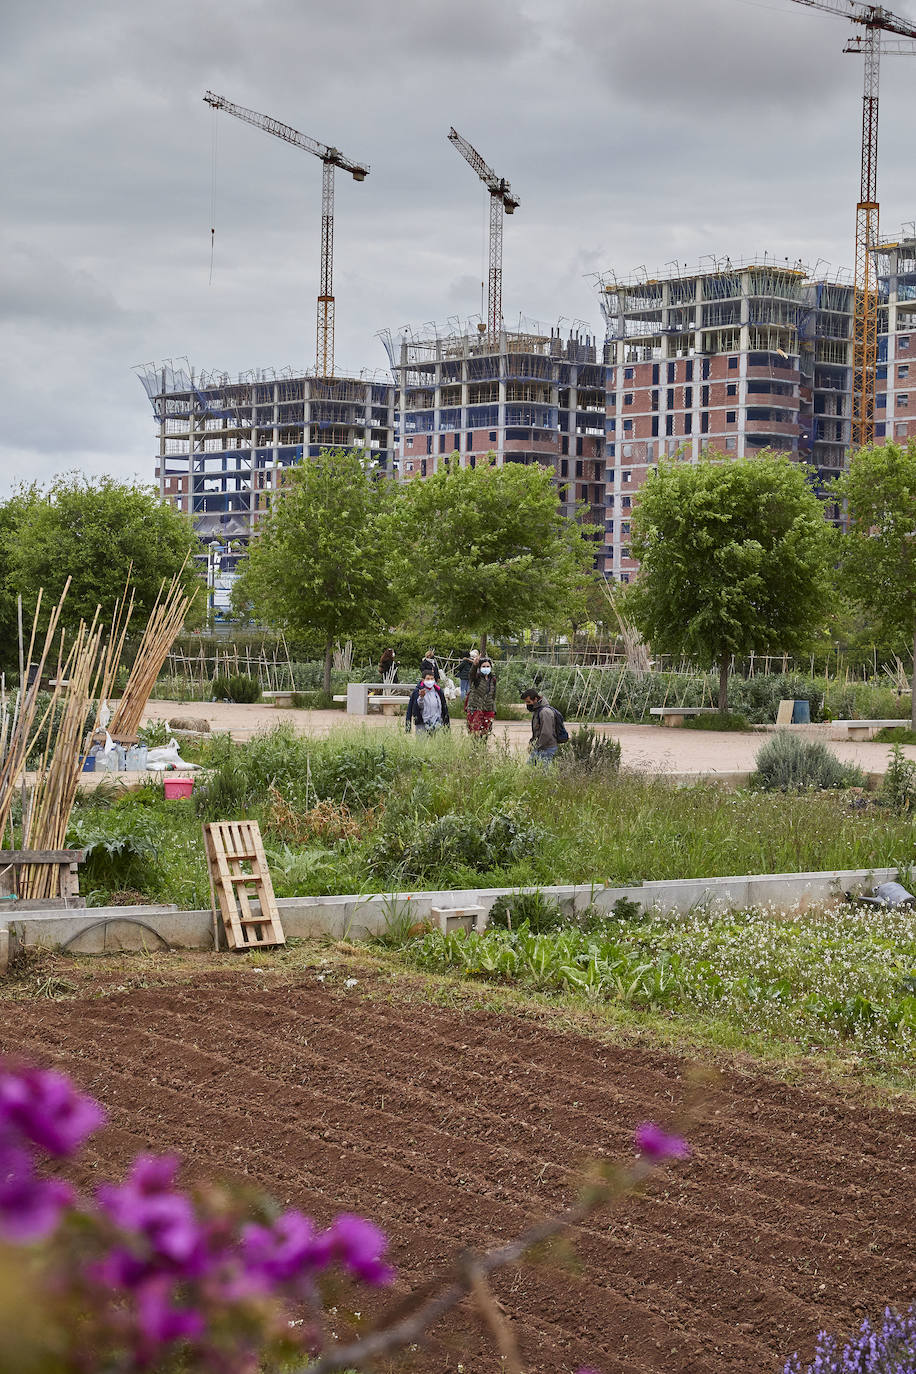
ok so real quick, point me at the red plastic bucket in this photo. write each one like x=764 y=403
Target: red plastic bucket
x=176 y=788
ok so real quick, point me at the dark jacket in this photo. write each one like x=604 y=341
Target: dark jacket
x=388 y=668
x=415 y=707
x=429 y=665
x=544 y=726
x=464 y=668
x=481 y=693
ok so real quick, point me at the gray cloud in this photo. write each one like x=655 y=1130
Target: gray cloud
x=633 y=133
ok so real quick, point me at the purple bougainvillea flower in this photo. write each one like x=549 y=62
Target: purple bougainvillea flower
x=287 y=1250
x=160 y=1321
x=43 y=1108
x=165 y=1219
x=358 y=1246
x=656 y=1144
x=30 y=1207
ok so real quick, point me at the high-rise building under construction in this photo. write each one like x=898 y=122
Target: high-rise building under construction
x=729 y=357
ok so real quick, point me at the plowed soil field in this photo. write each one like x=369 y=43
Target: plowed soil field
x=460 y=1127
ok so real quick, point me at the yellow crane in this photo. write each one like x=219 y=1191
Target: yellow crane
x=876 y=21
x=330 y=158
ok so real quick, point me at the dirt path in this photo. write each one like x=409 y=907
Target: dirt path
x=459 y=1127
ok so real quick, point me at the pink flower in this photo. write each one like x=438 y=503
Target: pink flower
x=358 y=1246
x=43 y=1107
x=147 y=1207
x=30 y=1207
x=657 y=1145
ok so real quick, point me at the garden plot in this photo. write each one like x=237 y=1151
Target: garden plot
x=455 y=1126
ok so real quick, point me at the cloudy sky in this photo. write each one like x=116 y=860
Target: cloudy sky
x=633 y=131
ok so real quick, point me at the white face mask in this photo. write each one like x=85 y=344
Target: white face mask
x=485 y=672
x=429 y=682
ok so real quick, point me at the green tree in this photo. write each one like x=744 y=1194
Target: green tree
x=734 y=555
x=321 y=562
x=487 y=550
x=878 y=552
x=94 y=530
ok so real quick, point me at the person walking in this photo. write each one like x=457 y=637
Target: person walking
x=480 y=705
x=429 y=667
x=388 y=666
x=544 y=727
x=464 y=671
x=427 y=708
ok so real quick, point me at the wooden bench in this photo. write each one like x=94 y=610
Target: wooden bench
x=865 y=729
x=675 y=715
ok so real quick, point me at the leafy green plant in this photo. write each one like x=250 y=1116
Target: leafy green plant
x=533 y=909
x=121 y=851
x=237 y=687
x=154 y=733
x=789 y=763
x=898 y=790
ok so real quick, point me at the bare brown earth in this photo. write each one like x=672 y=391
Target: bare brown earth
x=458 y=1127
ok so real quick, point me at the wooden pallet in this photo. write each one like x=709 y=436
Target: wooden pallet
x=238 y=876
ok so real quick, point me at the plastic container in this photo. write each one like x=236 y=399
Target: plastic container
x=135 y=761
x=801 y=712
x=89 y=763
x=177 y=788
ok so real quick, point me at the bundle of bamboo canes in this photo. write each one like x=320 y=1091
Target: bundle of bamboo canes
x=18 y=726
x=162 y=629
x=84 y=676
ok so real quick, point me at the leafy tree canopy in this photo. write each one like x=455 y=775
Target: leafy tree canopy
x=878 y=557
x=735 y=556
x=94 y=530
x=321 y=562
x=487 y=549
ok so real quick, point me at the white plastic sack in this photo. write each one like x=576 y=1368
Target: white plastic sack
x=167 y=756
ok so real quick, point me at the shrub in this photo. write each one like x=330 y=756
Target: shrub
x=540 y=913
x=592 y=752
x=456 y=841
x=896 y=734
x=722 y=720
x=788 y=763
x=236 y=687
x=899 y=787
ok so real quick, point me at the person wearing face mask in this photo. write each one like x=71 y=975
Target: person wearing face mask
x=545 y=728
x=465 y=667
x=429 y=667
x=427 y=708
x=480 y=705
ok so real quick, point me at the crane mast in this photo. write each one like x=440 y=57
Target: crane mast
x=502 y=201
x=876 y=21
x=330 y=159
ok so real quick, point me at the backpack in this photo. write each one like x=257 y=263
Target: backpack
x=560 y=726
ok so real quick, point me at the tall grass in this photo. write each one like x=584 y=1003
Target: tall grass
x=445 y=813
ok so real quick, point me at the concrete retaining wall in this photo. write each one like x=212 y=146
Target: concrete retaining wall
x=99 y=930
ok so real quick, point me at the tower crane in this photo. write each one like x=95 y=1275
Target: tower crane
x=502 y=201
x=330 y=158
x=875 y=21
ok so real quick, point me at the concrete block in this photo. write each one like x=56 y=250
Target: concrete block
x=449 y=918
x=357 y=698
